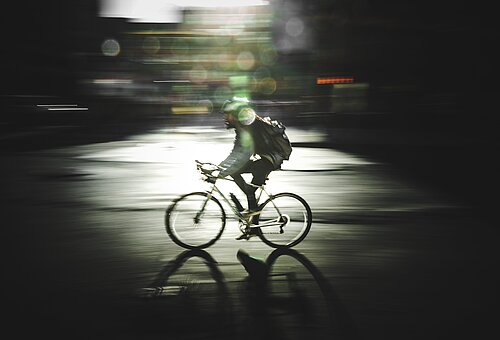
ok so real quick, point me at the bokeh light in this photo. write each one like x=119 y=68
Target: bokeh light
x=294 y=27
x=267 y=86
x=245 y=60
x=110 y=48
x=151 y=45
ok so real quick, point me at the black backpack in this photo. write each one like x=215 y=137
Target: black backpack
x=274 y=136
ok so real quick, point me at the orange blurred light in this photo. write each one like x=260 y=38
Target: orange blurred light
x=334 y=80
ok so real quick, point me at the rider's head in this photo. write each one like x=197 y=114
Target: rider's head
x=237 y=112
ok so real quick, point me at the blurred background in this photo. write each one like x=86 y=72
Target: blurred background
x=402 y=80
x=318 y=58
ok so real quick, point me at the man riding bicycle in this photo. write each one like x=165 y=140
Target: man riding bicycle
x=249 y=154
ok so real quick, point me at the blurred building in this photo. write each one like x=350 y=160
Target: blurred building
x=420 y=63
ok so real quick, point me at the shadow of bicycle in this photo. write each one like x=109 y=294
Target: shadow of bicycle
x=188 y=299
x=294 y=300
x=288 y=299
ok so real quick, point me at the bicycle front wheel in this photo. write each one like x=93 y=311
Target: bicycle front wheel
x=195 y=220
x=285 y=220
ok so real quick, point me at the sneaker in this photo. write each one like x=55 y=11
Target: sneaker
x=248 y=234
x=243 y=236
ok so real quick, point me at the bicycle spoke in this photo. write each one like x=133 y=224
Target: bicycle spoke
x=191 y=228
x=285 y=220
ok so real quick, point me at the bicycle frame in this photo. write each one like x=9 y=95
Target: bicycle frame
x=274 y=222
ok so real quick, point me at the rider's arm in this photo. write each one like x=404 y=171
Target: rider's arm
x=243 y=149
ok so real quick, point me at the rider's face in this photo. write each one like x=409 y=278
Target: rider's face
x=229 y=120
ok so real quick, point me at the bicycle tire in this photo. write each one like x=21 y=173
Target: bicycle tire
x=298 y=223
x=189 y=233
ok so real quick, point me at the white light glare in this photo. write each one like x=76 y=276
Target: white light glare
x=221 y=3
x=62 y=107
x=164 y=11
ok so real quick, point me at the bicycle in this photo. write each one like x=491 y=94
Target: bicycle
x=198 y=219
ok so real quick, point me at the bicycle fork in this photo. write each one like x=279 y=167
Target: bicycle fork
x=202 y=209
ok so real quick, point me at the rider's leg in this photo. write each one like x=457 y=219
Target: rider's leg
x=249 y=192
x=259 y=169
x=247 y=189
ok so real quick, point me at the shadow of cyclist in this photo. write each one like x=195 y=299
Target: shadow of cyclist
x=295 y=314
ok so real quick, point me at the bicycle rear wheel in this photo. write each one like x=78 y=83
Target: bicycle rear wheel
x=195 y=220
x=285 y=220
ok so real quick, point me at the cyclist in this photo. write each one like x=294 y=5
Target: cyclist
x=249 y=153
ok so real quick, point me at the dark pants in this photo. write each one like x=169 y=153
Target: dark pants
x=259 y=169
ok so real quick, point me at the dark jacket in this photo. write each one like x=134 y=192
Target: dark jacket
x=247 y=143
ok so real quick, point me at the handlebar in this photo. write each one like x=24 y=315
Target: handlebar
x=203 y=165
x=207 y=174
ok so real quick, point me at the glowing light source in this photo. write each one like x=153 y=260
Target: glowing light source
x=334 y=80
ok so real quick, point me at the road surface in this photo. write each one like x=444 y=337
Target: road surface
x=86 y=252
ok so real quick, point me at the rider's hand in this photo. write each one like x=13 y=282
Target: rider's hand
x=212 y=176
x=211 y=180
